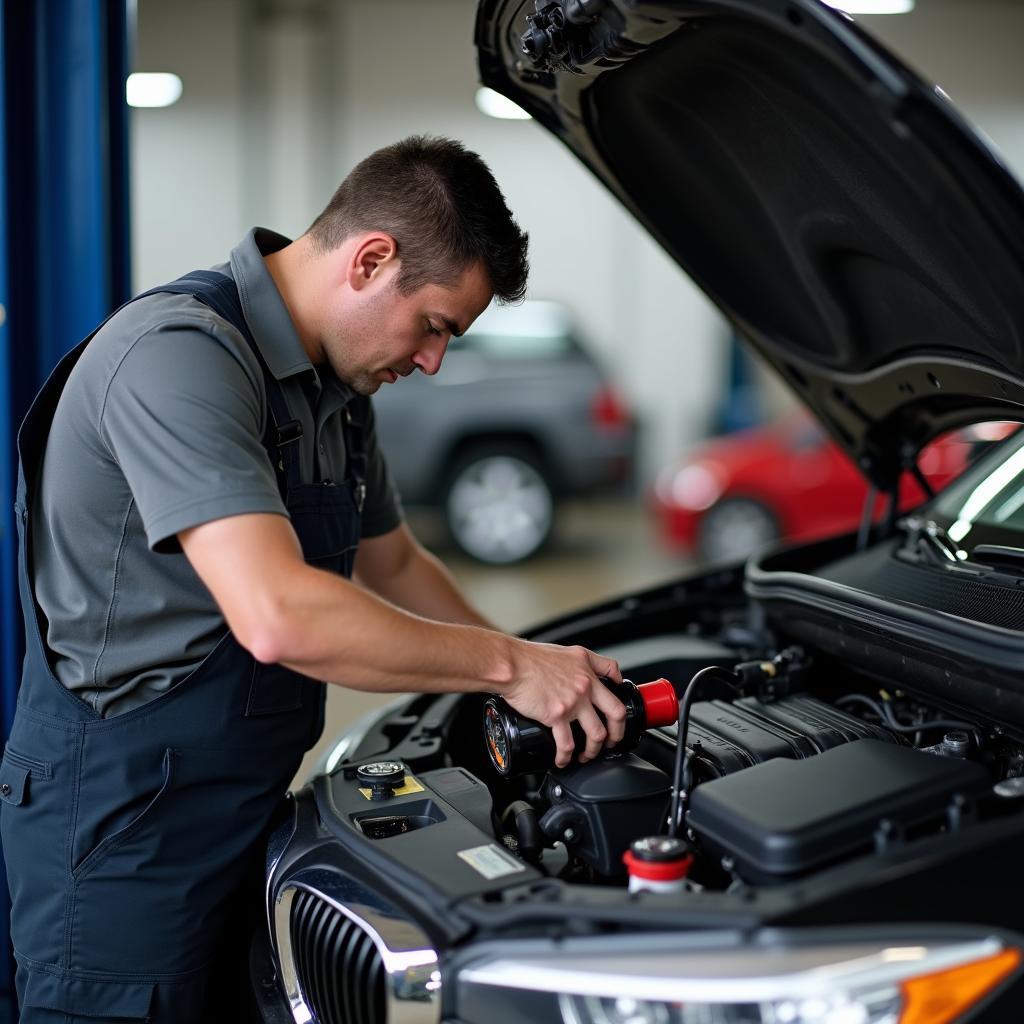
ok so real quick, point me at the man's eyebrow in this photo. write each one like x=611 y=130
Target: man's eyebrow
x=452 y=326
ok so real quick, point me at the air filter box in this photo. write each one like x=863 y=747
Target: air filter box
x=784 y=818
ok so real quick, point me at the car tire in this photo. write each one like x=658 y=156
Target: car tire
x=734 y=528
x=499 y=504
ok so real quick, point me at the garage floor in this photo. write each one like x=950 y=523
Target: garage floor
x=600 y=549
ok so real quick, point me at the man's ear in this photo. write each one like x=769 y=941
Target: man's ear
x=373 y=255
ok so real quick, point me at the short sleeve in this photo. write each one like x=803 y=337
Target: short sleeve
x=382 y=512
x=183 y=418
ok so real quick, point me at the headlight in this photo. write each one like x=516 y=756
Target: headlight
x=874 y=1008
x=787 y=979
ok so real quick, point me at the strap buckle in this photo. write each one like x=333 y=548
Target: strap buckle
x=288 y=433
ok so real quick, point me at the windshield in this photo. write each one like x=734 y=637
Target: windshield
x=986 y=505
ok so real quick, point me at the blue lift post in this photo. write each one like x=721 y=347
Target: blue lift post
x=64 y=235
x=9 y=634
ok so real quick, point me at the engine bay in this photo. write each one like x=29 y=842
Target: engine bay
x=781 y=783
x=786 y=775
x=827 y=746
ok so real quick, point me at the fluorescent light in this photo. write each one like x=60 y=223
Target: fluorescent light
x=152 y=89
x=872 y=6
x=493 y=104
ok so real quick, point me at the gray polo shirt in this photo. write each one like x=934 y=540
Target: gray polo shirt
x=159 y=429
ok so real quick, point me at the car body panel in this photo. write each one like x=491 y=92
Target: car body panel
x=521 y=376
x=793 y=470
x=423 y=422
x=467 y=918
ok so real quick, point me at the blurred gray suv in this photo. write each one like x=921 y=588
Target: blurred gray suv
x=519 y=417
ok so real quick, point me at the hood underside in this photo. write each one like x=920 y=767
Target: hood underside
x=848 y=223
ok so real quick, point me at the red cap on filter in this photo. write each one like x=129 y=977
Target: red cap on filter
x=661 y=705
x=658 y=859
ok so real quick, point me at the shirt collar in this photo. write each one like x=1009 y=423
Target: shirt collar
x=264 y=309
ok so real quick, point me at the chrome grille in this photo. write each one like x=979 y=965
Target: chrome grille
x=339 y=971
x=347 y=955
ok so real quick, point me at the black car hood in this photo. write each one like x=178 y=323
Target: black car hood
x=835 y=207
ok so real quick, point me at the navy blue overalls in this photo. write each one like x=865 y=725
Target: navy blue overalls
x=125 y=837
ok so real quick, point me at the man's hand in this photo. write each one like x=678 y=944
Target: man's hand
x=559 y=685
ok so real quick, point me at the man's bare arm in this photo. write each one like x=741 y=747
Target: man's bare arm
x=397 y=567
x=283 y=610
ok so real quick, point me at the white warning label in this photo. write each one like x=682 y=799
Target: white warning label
x=491 y=861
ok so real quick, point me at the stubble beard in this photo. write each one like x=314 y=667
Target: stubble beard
x=365 y=324
x=364 y=383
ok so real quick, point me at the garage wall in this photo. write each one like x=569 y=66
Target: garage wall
x=187 y=181
x=282 y=97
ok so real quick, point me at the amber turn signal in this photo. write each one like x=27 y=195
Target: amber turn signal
x=943 y=997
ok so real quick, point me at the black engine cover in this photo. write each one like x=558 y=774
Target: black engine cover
x=727 y=736
x=784 y=818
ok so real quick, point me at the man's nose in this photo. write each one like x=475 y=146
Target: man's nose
x=428 y=357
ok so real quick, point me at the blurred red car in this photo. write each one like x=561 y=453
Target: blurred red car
x=733 y=494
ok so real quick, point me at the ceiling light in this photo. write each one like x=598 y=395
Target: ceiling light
x=152 y=89
x=872 y=6
x=493 y=104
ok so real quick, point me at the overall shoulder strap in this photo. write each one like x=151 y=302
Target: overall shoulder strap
x=216 y=290
x=220 y=293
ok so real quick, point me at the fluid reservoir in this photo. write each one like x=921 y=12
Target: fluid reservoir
x=657 y=864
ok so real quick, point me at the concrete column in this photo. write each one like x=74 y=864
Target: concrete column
x=289 y=89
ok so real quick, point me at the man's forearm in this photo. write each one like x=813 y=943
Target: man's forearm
x=341 y=633
x=424 y=586
x=335 y=631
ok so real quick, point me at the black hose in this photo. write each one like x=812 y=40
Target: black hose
x=681 y=783
x=857 y=698
x=523 y=818
x=888 y=717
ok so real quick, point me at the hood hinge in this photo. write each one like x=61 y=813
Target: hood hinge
x=551 y=28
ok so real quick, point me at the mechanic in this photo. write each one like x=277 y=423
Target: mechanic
x=197 y=477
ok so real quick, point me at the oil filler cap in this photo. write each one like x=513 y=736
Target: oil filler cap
x=382 y=778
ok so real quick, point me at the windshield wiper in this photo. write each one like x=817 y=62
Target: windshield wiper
x=999 y=556
x=929 y=542
x=925 y=537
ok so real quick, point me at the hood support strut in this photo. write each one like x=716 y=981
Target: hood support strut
x=911 y=466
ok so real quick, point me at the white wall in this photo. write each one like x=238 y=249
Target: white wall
x=187 y=192
x=282 y=97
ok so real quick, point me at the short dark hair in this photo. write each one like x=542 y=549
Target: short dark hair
x=441 y=204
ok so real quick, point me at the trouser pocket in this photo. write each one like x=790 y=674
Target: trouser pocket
x=152 y=897
x=36 y=803
x=52 y=996
x=150 y=804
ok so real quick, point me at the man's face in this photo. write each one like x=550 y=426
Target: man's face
x=387 y=335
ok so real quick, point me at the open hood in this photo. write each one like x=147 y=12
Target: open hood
x=835 y=207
